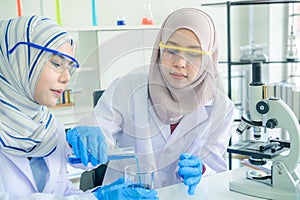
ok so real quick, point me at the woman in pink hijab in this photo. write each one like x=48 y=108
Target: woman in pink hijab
x=176 y=118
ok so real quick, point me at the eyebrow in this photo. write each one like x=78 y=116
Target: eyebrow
x=191 y=46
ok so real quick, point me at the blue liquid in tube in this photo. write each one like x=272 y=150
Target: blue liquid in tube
x=119 y=154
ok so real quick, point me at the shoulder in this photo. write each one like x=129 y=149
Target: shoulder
x=130 y=82
x=132 y=79
x=127 y=88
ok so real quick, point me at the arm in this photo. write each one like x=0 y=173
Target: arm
x=220 y=132
x=103 y=116
x=41 y=196
x=210 y=146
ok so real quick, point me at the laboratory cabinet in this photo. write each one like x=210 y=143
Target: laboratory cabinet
x=124 y=51
x=104 y=54
x=257 y=26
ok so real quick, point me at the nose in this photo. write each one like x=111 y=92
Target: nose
x=65 y=77
x=180 y=63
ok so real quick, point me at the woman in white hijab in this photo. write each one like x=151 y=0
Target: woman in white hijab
x=175 y=117
x=36 y=61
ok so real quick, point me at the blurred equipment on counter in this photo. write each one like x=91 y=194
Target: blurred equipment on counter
x=267 y=113
x=292 y=51
x=253 y=52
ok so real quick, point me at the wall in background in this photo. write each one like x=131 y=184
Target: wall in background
x=78 y=14
x=261 y=24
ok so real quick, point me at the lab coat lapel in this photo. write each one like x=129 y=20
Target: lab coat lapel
x=191 y=121
x=54 y=165
x=158 y=126
x=22 y=163
x=179 y=140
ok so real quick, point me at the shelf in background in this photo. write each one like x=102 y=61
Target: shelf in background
x=229 y=61
x=241 y=3
x=111 y=28
x=63 y=105
x=264 y=62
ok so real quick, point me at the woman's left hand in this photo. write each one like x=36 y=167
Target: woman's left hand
x=190 y=170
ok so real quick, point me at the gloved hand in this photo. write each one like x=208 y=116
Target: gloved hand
x=190 y=170
x=88 y=144
x=118 y=190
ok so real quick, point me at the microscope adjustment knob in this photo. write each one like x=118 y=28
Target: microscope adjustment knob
x=271 y=123
x=262 y=107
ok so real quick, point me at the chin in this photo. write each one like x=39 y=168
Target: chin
x=177 y=85
x=50 y=104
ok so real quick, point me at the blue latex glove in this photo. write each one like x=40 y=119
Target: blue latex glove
x=190 y=170
x=118 y=191
x=88 y=144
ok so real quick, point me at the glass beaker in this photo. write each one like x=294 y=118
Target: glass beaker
x=139 y=176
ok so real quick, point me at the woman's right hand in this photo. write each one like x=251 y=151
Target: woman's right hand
x=88 y=144
x=118 y=190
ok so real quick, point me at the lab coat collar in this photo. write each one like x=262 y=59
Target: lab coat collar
x=23 y=164
x=195 y=118
x=189 y=122
x=175 y=143
x=53 y=163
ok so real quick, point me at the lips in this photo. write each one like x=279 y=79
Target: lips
x=58 y=92
x=178 y=75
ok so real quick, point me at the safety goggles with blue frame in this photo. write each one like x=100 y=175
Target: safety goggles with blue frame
x=71 y=67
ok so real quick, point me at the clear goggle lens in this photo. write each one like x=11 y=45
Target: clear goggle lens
x=60 y=64
x=173 y=53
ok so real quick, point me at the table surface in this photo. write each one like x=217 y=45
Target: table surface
x=211 y=187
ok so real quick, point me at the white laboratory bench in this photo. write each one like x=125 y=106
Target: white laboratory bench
x=211 y=187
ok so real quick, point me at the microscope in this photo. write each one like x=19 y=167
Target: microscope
x=267 y=113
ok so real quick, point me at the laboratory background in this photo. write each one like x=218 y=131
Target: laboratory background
x=115 y=37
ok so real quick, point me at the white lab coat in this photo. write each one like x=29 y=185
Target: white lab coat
x=126 y=118
x=17 y=181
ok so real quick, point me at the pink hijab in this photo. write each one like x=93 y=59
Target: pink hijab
x=171 y=104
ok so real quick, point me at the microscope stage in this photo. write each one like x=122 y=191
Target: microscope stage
x=257 y=149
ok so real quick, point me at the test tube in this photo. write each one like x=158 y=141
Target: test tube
x=94 y=13
x=19 y=8
x=115 y=154
x=58 y=12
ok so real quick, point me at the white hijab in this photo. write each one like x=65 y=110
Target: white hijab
x=26 y=128
x=169 y=103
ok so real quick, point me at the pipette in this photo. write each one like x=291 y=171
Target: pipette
x=113 y=154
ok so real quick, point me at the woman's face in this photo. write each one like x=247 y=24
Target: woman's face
x=180 y=68
x=53 y=80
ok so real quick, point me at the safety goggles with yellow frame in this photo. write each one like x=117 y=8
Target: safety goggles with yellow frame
x=172 y=53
